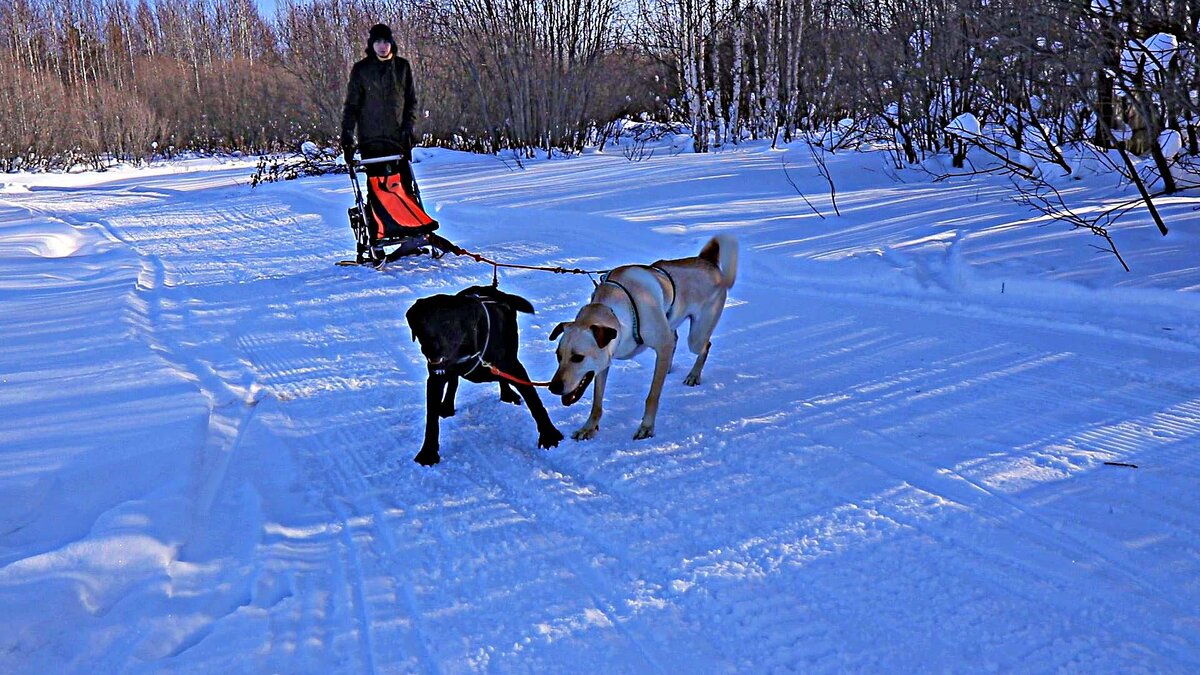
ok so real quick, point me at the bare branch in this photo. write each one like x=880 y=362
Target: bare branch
x=795 y=187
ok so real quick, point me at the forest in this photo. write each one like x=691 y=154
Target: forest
x=89 y=82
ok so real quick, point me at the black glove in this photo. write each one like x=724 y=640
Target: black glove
x=348 y=153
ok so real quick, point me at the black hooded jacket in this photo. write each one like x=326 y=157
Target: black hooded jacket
x=381 y=103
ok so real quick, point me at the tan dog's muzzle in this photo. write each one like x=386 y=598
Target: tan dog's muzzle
x=556 y=388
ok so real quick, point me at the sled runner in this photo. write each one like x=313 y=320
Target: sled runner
x=390 y=223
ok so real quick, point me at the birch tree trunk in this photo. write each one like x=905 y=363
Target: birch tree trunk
x=712 y=93
x=736 y=71
x=771 y=80
x=694 y=82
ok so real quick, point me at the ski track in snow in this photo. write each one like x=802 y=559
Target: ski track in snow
x=866 y=479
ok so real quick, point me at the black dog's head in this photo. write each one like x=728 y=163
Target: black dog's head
x=453 y=327
x=446 y=326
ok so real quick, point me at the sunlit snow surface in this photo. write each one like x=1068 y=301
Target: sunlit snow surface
x=897 y=460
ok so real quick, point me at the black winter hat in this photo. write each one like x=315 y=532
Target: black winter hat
x=380 y=31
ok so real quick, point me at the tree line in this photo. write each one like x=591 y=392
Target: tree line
x=90 y=80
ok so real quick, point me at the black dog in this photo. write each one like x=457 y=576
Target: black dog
x=460 y=336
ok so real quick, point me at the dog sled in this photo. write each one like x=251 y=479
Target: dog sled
x=390 y=223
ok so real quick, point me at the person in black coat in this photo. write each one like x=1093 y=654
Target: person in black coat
x=381 y=107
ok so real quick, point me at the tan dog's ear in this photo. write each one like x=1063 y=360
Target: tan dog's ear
x=604 y=335
x=558 y=330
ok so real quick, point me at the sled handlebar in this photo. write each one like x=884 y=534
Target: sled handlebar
x=380 y=160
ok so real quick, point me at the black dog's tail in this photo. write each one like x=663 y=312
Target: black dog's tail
x=491 y=292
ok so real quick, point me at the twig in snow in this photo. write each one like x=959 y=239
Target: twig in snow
x=290 y=167
x=795 y=187
x=637 y=152
x=823 y=169
x=1141 y=186
x=1046 y=199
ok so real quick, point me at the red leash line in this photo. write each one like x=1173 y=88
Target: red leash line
x=557 y=270
x=516 y=380
x=458 y=250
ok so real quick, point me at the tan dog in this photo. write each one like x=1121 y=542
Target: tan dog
x=640 y=306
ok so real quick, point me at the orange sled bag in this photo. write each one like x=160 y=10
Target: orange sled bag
x=392 y=213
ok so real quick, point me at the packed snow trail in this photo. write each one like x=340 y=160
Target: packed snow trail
x=890 y=465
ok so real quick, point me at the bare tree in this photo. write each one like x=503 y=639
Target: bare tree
x=680 y=31
x=496 y=74
x=535 y=67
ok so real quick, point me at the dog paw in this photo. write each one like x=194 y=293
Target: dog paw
x=644 y=431
x=447 y=412
x=691 y=380
x=586 y=433
x=427 y=457
x=549 y=438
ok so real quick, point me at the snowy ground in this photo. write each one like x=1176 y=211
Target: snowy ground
x=896 y=461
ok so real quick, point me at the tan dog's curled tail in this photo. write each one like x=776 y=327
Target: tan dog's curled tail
x=722 y=251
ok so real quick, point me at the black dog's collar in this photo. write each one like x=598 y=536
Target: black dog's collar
x=477 y=357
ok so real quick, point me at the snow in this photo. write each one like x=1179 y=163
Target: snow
x=1150 y=55
x=1171 y=142
x=897 y=460
x=965 y=124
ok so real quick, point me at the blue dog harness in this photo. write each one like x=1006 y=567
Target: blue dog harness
x=637 y=330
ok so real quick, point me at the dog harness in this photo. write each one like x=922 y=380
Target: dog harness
x=637 y=329
x=477 y=357
x=670 y=279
